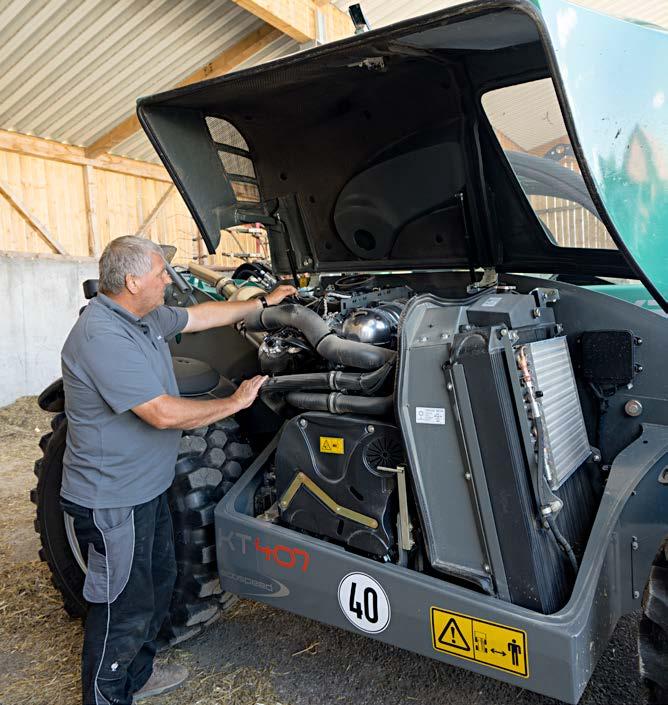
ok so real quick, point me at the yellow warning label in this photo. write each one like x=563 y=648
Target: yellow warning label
x=331 y=445
x=477 y=640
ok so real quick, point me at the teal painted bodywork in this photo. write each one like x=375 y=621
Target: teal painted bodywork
x=632 y=293
x=203 y=286
x=210 y=290
x=615 y=84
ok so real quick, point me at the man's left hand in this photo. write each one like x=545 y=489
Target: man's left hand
x=279 y=293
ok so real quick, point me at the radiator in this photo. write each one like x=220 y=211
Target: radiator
x=565 y=433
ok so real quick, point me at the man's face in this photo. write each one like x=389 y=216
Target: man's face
x=150 y=288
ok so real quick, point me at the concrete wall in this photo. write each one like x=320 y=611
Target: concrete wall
x=42 y=298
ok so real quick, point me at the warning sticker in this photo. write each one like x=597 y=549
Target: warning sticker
x=331 y=445
x=477 y=640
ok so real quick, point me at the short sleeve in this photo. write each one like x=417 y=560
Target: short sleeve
x=116 y=366
x=169 y=320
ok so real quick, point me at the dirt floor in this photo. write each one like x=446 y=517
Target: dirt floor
x=254 y=655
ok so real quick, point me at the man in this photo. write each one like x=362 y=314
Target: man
x=124 y=422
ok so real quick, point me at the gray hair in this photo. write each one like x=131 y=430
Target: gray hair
x=122 y=256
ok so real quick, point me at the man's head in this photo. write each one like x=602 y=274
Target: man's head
x=132 y=271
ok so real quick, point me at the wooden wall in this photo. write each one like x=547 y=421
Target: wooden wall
x=51 y=193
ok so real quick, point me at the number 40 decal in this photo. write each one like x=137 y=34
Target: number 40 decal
x=364 y=602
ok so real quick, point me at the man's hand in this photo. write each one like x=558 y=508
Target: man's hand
x=248 y=391
x=279 y=293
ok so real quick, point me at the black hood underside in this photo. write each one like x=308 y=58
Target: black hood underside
x=372 y=153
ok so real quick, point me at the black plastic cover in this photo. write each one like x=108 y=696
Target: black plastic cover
x=194 y=377
x=608 y=356
x=310 y=443
x=513 y=311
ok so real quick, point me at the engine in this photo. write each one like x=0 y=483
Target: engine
x=445 y=435
x=363 y=316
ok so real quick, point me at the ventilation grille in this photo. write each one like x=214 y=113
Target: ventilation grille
x=384 y=450
x=566 y=435
x=235 y=157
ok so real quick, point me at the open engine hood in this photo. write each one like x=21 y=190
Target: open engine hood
x=374 y=153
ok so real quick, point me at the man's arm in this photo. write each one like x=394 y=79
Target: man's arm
x=166 y=411
x=213 y=314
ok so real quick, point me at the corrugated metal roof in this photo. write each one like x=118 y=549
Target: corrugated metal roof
x=383 y=12
x=73 y=69
x=529 y=113
x=138 y=146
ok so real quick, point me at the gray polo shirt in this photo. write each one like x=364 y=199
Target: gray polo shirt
x=112 y=361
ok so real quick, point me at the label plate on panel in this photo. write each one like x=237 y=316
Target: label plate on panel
x=474 y=639
x=430 y=415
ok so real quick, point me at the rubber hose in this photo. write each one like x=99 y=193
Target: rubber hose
x=563 y=543
x=326 y=343
x=337 y=403
x=366 y=382
x=549 y=518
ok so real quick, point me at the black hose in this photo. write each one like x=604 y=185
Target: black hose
x=367 y=383
x=337 y=403
x=563 y=543
x=549 y=518
x=326 y=343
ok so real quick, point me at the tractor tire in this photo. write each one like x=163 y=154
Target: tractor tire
x=653 y=631
x=210 y=460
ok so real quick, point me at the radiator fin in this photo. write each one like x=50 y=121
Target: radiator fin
x=565 y=432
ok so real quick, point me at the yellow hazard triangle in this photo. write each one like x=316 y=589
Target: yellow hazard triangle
x=453 y=637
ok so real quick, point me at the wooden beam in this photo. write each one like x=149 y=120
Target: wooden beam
x=70 y=154
x=297 y=18
x=542 y=149
x=141 y=232
x=238 y=53
x=243 y=50
x=115 y=136
x=13 y=254
x=31 y=219
x=90 y=193
x=506 y=143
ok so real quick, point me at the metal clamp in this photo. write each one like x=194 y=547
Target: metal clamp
x=406 y=528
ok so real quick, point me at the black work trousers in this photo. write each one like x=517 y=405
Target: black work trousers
x=129 y=585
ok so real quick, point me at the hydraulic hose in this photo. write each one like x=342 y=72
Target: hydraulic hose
x=337 y=403
x=563 y=543
x=549 y=518
x=325 y=342
x=367 y=383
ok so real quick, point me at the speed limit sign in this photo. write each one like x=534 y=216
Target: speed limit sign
x=364 y=602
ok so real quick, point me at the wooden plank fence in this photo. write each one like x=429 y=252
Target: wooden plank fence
x=55 y=200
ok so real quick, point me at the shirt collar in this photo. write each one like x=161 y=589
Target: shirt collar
x=117 y=308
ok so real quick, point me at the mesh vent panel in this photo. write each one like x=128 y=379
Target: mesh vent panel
x=246 y=192
x=235 y=159
x=224 y=132
x=236 y=164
